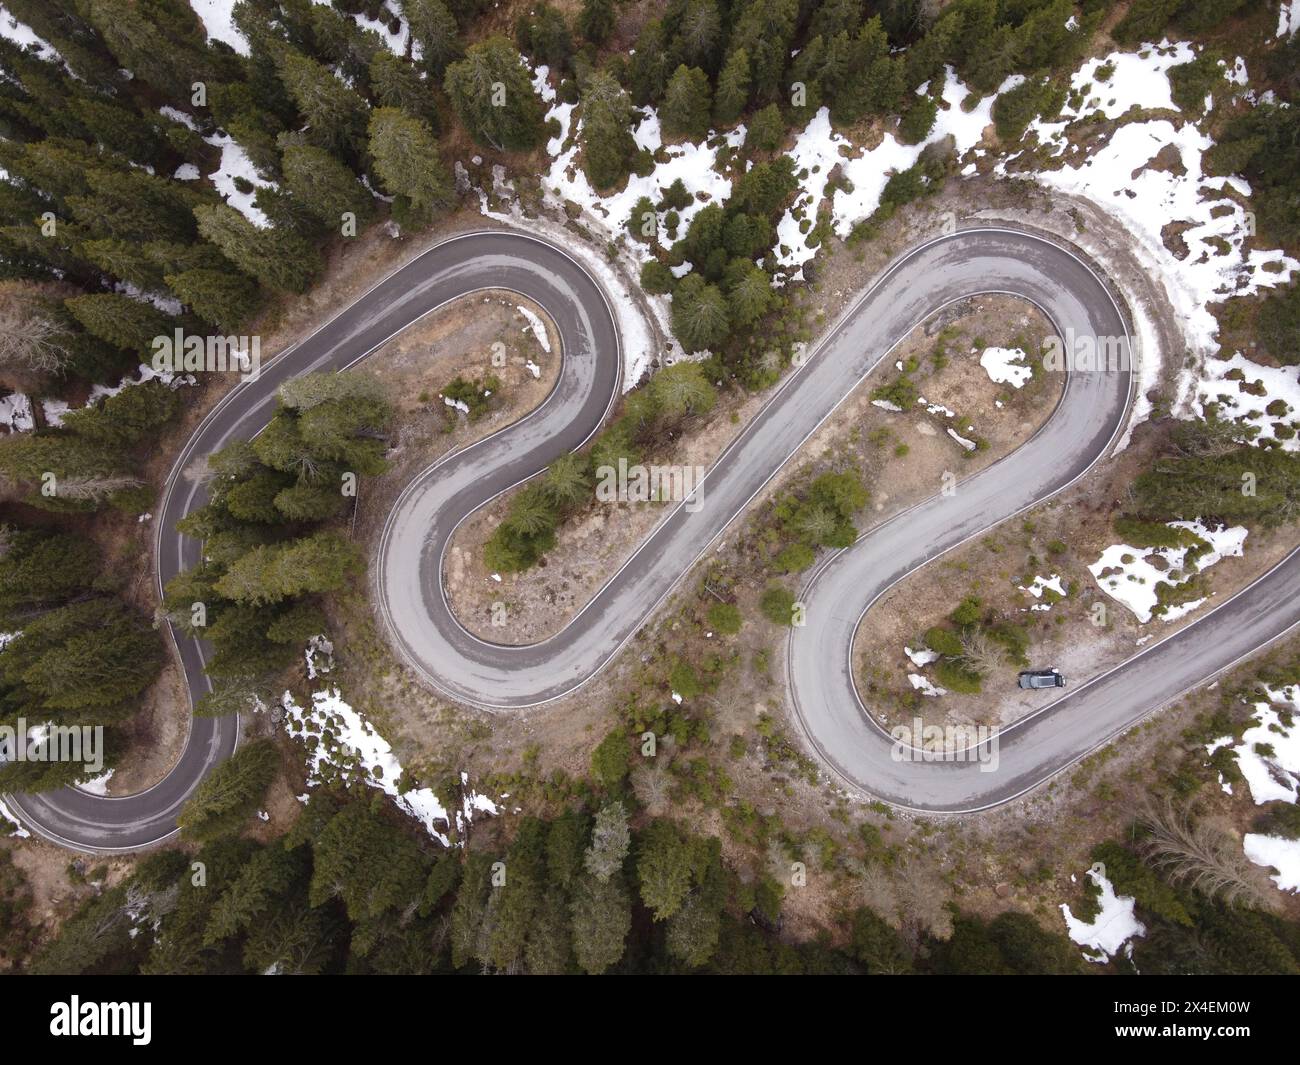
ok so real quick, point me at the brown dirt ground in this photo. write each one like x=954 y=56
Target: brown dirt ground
x=595 y=543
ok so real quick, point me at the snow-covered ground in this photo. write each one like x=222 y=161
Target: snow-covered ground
x=1235 y=403
x=1282 y=854
x=923 y=685
x=1054 y=584
x=16 y=413
x=54 y=409
x=97 y=785
x=923 y=657
x=1211 y=214
x=1288 y=18
x=10 y=825
x=343 y=745
x=395 y=41
x=319 y=656
x=22 y=35
x=1107 y=933
x=1006 y=366
x=235 y=163
x=217 y=21
x=1140 y=569
x=819 y=148
x=538 y=328
x=1268 y=756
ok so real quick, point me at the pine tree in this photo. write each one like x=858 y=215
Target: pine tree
x=687 y=103
x=515 y=905
x=231 y=793
x=596 y=20
x=751 y=297
x=327 y=188
x=407 y=162
x=335 y=114
x=608 y=148
x=601 y=914
x=1146 y=20
x=280 y=260
x=164 y=45
x=492 y=93
x=395 y=83
x=225 y=298
x=567 y=481
x=295 y=940
x=610 y=840
x=39 y=568
x=268 y=877
x=699 y=32
x=766 y=29
x=434 y=28
x=93 y=655
x=694 y=930
x=732 y=96
x=125 y=418
x=699 y=314
x=323 y=562
x=543 y=33
x=682 y=389
x=663 y=869
x=652 y=64
x=124 y=322
x=367 y=863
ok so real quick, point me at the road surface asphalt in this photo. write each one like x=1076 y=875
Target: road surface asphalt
x=407 y=583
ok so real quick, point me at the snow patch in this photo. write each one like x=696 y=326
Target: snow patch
x=1006 y=366
x=1111 y=929
x=538 y=328
x=220 y=26
x=1136 y=574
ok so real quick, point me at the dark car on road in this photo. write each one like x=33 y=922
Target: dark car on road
x=1041 y=678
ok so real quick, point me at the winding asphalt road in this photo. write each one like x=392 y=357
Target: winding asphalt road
x=407 y=577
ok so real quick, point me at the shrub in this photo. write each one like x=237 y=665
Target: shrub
x=684 y=681
x=952 y=675
x=777 y=604
x=794 y=558
x=944 y=641
x=656 y=278
x=969 y=612
x=609 y=761
x=919 y=120
x=725 y=618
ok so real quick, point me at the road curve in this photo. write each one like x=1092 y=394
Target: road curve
x=454 y=268
x=407 y=577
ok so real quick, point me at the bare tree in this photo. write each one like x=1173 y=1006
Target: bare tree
x=30 y=339
x=651 y=782
x=1204 y=855
x=981 y=653
x=923 y=902
x=95 y=488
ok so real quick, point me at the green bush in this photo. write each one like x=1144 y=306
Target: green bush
x=950 y=674
x=944 y=641
x=919 y=120
x=1141 y=533
x=609 y=761
x=969 y=612
x=794 y=558
x=725 y=618
x=684 y=680
x=777 y=604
